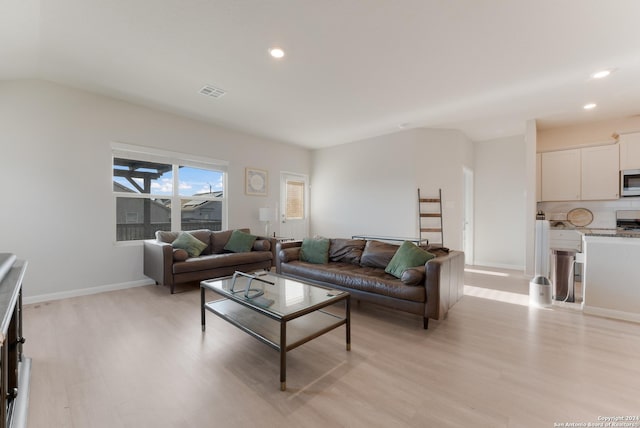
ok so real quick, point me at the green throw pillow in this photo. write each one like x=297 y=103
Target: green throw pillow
x=192 y=245
x=408 y=255
x=315 y=250
x=240 y=242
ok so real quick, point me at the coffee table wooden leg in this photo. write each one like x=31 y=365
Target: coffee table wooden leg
x=202 y=315
x=283 y=356
x=348 y=324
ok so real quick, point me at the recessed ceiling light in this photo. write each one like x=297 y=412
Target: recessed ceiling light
x=601 y=74
x=589 y=106
x=276 y=53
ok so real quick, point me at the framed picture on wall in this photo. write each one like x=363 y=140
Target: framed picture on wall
x=256 y=182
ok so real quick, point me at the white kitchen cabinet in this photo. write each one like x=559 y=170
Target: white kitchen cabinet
x=565 y=239
x=610 y=278
x=600 y=173
x=587 y=174
x=561 y=175
x=630 y=151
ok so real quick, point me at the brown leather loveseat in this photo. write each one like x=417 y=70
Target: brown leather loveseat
x=167 y=266
x=358 y=266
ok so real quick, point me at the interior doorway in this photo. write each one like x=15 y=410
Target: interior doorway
x=467 y=227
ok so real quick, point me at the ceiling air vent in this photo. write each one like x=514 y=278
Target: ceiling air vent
x=212 y=91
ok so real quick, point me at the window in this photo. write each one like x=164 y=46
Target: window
x=132 y=217
x=295 y=200
x=157 y=190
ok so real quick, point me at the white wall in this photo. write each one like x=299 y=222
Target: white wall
x=369 y=186
x=366 y=187
x=440 y=157
x=585 y=134
x=531 y=186
x=500 y=227
x=57 y=204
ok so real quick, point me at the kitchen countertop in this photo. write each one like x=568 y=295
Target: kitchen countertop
x=617 y=233
x=586 y=231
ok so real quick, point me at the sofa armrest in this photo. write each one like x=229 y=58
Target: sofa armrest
x=291 y=250
x=272 y=242
x=158 y=261
x=444 y=283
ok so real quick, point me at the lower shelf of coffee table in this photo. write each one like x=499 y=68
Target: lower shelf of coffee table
x=298 y=330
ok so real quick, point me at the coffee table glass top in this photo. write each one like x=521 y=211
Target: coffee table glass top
x=272 y=293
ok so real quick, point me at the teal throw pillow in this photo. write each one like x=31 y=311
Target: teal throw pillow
x=192 y=245
x=240 y=242
x=409 y=255
x=315 y=250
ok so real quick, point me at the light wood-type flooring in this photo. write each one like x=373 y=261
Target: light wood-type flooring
x=138 y=358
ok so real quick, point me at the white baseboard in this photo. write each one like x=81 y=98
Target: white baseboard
x=611 y=313
x=85 y=291
x=498 y=265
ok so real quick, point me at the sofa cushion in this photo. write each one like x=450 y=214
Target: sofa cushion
x=190 y=244
x=165 y=236
x=414 y=276
x=346 y=250
x=378 y=254
x=240 y=242
x=203 y=235
x=289 y=254
x=363 y=278
x=262 y=245
x=315 y=250
x=436 y=249
x=214 y=261
x=219 y=239
x=408 y=255
x=180 y=255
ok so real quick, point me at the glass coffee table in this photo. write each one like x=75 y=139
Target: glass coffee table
x=279 y=311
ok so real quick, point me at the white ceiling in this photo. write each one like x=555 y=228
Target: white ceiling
x=353 y=68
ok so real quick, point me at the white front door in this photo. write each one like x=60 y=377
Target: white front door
x=294 y=206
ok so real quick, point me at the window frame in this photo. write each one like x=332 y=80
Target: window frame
x=176 y=160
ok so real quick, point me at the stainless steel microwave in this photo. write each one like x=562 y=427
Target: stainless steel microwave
x=630 y=182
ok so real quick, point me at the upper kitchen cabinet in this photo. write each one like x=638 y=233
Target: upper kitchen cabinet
x=587 y=174
x=630 y=151
x=600 y=173
x=561 y=175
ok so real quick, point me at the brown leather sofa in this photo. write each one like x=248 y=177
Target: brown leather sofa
x=357 y=266
x=214 y=262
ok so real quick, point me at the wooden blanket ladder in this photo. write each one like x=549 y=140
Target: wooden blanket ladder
x=430 y=218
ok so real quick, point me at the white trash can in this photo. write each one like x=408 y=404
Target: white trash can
x=540 y=286
x=540 y=292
